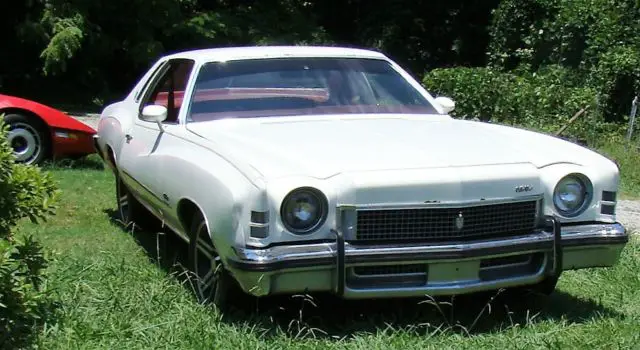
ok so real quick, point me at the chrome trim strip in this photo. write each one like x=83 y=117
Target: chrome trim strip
x=443 y=204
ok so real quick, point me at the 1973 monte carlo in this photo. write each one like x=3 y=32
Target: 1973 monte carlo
x=305 y=169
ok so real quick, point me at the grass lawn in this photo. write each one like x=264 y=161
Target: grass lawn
x=117 y=290
x=628 y=159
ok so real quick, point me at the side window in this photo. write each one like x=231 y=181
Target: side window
x=151 y=78
x=168 y=89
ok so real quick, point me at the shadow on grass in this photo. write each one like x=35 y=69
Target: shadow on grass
x=325 y=315
x=90 y=162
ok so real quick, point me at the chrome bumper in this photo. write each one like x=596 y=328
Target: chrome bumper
x=450 y=268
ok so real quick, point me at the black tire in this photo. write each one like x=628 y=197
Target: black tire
x=29 y=137
x=212 y=282
x=131 y=213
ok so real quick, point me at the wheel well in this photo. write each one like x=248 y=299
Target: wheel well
x=111 y=157
x=186 y=210
x=14 y=110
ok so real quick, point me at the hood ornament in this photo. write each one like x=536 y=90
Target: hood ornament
x=459 y=222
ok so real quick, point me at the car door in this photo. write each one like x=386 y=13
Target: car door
x=140 y=163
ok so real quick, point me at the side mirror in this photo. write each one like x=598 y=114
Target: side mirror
x=446 y=103
x=154 y=113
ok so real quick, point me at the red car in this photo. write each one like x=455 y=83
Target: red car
x=38 y=132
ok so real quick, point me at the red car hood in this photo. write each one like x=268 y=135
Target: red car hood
x=51 y=116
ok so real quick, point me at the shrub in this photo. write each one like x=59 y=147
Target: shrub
x=25 y=192
x=513 y=31
x=573 y=33
x=540 y=101
x=617 y=78
x=598 y=39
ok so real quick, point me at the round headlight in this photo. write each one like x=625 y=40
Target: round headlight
x=571 y=195
x=304 y=210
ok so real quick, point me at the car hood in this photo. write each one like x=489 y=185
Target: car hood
x=324 y=146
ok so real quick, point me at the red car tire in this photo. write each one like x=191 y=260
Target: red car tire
x=29 y=137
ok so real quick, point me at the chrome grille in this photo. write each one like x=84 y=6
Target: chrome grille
x=439 y=224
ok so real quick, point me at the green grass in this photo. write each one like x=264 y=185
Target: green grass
x=112 y=292
x=628 y=158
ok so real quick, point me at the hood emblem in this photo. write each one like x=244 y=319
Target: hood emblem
x=524 y=188
x=459 y=222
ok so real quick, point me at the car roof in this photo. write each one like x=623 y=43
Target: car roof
x=257 y=52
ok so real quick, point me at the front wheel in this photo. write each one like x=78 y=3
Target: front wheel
x=213 y=283
x=29 y=138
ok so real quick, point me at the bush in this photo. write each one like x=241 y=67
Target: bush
x=597 y=39
x=617 y=78
x=540 y=101
x=572 y=33
x=25 y=192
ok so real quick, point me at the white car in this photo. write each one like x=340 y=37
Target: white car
x=309 y=169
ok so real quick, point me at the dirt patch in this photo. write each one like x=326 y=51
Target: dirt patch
x=628 y=213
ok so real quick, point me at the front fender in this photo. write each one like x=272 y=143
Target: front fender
x=602 y=178
x=224 y=195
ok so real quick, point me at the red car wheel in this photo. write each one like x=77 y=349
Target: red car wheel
x=28 y=137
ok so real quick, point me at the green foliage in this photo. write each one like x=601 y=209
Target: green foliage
x=542 y=101
x=617 y=78
x=572 y=33
x=514 y=28
x=598 y=39
x=23 y=301
x=65 y=42
x=25 y=192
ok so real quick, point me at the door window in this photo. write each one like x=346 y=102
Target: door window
x=168 y=88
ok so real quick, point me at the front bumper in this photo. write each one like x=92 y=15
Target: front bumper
x=433 y=269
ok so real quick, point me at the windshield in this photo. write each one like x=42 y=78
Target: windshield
x=302 y=86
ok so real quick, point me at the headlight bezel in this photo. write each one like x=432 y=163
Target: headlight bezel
x=322 y=211
x=587 y=186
